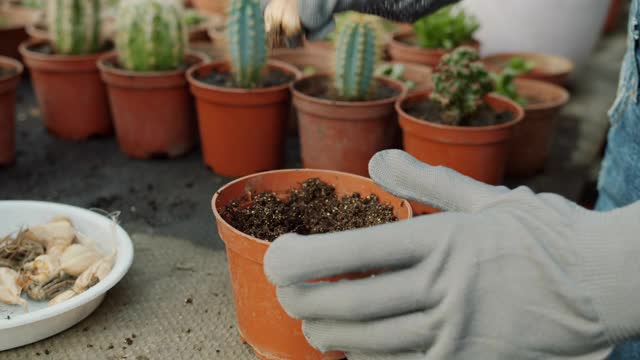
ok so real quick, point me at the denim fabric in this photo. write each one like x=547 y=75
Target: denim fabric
x=619 y=183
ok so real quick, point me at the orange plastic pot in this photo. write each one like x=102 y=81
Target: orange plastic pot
x=549 y=68
x=12 y=35
x=262 y=322
x=533 y=135
x=242 y=131
x=153 y=112
x=72 y=97
x=341 y=135
x=401 y=51
x=8 y=84
x=420 y=75
x=211 y=6
x=478 y=152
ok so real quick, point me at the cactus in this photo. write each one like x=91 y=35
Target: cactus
x=460 y=84
x=357 y=52
x=75 y=26
x=151 y=35
x=247 y=42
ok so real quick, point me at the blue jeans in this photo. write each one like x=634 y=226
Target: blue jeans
x=619 y=183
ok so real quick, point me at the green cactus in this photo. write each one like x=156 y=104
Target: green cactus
x=151 y=35
x=75 y=26
x=461 y=84
x=247 y=43
x=357 y=53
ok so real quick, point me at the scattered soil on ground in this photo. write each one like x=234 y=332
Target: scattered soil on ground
x=273 y=78
x=431 y=111
x=313 y=208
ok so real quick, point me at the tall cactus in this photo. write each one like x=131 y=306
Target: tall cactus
x=75 y=26
x=247 y=42
x=357 y=52
x=151 y=35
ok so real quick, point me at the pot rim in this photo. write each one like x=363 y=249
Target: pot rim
x=11 y=64
x=567 y=65
x=395 y=40
x=339 y=103
x=562 y=98
x=218 y=216
x=270 y=64
x=16 y=8
x=27 y=52
x=518 y=116
x=112 y=55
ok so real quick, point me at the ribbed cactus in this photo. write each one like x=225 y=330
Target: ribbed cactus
x=247 y=42
x=151 y=35
x=75 y=26
x=357 y=52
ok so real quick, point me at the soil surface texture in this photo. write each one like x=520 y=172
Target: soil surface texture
x=432 y=112
x=273 y=78
x=313 y=208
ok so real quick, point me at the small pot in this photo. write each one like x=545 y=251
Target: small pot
x=8 y=85
x=533 y=135
x=402 y=52
x=14 y=34
x=478 y=152
x=242 y=130
x=341 y=135
x=72 y=98
x=152 y=111
x=262 y=322
x=549 y=68
x=420 y=75
x=218 y=7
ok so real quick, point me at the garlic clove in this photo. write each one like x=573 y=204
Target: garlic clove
x=9 y=289
x=56 y=235
x=41 y=270
x=62 y=297
x=78 y=258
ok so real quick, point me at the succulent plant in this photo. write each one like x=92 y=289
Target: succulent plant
x=75 y=26
x=504 y=80
x=151 y=35
x=447 y=28
x=460 y=84
x=247 y=42
x=357 y=54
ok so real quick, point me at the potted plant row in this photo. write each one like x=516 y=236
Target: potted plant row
x=10 y=72
x=14 y=18
x=553 y=69
x=72 y=98
x=347 y=116
x=148 y=91
x=433 y=36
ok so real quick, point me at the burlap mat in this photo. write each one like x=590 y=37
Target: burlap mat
x=175 y=303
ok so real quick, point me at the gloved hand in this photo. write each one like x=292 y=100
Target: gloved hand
x=501 y=275
x=316 y=16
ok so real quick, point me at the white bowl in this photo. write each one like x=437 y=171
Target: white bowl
x=17 y=327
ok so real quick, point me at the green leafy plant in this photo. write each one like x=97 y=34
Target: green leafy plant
x=151 y=35
x=247 y=42
x=75 y=26
x=193 y=17
x=395 y=72
x=447 y=29
x=504 y=80
x=357 y=53
x=460 y=84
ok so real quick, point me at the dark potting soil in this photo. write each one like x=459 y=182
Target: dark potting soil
x=273 y=78
x=313 y=208
x=432 y=112
x=323 y=88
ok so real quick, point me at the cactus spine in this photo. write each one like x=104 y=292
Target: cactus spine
x=357 y=52
x=75 y=26
x=151 y=35
x=247 y=42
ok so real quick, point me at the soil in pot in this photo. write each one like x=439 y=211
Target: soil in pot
x=322 y=88
x=313 y=208
x=274 y=77
x=6 y=72
x=432 y=112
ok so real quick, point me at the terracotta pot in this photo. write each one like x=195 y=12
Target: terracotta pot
x=152 y=111
x=613 y=16
x=549 y=68
x=420 y=75
x=8 y=85
x=320 y=60
x=37 y=31
x=72 y=98
x=478 y=152
x=242 y=130
x=341 y=135
x=401 y=51
x=533 y=135
x=320 y=45
x=262 y=322
x=211 y=6
x=14 y=33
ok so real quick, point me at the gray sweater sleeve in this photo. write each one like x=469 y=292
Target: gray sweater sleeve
x=396 y=10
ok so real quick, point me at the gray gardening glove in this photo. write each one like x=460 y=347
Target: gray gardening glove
x=502 y=275
x=316 y=16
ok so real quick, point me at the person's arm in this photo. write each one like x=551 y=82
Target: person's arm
x=396 y=10
x=501 y=274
